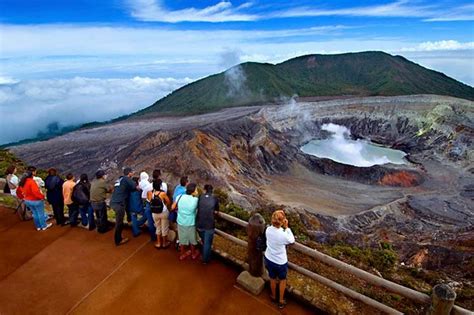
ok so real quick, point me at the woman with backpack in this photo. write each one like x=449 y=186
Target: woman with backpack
x=34 y=199
x=54 y=195
x=159 y=204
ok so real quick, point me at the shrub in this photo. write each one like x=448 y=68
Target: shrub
x=383 y=260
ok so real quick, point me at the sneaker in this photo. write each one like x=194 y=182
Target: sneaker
x=282 y=304
x=85 y=226
x=47 y=226
x=38 y=229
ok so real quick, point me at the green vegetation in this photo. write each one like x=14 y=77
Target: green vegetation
x=7 y=158
x=8 y=201
x=383 y=259
x=360 y=74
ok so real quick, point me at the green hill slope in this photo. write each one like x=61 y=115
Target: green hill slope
x=361 y=74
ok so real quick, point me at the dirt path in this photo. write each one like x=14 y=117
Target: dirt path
x=66 y=270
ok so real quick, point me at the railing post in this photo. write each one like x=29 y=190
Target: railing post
x=442 y=300
x=255 y=257
x=252 y=280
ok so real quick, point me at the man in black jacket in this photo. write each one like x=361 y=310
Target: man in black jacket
x=54 y=195
x=123 y=187
x=208 y=206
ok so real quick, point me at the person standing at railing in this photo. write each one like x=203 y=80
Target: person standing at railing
x=186 y=205
x=99 y=191
x=54 y=195
x=278 y=236
x=208 y=206
x=118 y=202
x=73 y=208
x=34 y=199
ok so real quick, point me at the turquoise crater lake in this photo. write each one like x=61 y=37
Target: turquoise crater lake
x=361 y=153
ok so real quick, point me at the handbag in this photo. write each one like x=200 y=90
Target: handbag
x=261 y=242
x=173 y=215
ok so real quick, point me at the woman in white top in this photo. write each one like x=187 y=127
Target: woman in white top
x=276 y=261
x=157 y=176
x=12 y=179
x=144 y=184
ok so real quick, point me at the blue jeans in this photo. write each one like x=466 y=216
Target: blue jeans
x=87 y=216
x=207 y=237
x=73 y=214
x=90 y=216
x=37 y=209
x=137 y=222
x=146 y=217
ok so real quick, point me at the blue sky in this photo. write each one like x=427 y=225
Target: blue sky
x=83 y=60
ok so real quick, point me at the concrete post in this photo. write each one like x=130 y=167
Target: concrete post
x=442 y=300
x=255 y=257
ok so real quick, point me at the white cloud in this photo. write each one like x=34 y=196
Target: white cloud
x=154 y=10
x=27 y=107
x=224 y=11
x=402 y=8
x=58 y=40
x=462 y=13
x=441 y=45
x=7 y=80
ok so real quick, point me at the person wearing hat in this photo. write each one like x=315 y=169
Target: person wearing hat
x=99 y=190
x=123 y=187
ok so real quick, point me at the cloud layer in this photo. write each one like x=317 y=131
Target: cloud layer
x=154 y=10
x=82 y=73
x=27 y=107
x=224 y=11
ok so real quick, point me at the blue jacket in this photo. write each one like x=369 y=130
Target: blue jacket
x=135 y=203
x=122 y=190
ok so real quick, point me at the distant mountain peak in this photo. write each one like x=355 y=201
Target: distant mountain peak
x=359 y=74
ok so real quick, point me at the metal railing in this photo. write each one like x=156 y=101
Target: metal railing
x=408 y=293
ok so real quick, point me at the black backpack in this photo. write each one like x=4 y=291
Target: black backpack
x=262 y=241
x=156 y=204
x=79 y=196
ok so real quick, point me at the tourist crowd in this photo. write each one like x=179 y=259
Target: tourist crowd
x=141 y=202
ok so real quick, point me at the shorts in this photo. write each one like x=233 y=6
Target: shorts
x=275 y=270
x=187 y=235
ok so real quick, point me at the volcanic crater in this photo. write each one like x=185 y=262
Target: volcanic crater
x=254 y=153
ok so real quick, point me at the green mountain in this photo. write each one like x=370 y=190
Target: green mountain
x=360 y=74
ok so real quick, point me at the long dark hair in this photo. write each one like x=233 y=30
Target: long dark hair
x=28 y=174
x=190 y=188
x=10 y=169
x=84 y=178
x=157 y=184
x=156 y=174
x=52 y=172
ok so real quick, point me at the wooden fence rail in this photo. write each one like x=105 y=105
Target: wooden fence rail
x=340 y=265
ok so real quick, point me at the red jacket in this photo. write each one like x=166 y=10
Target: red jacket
x=31 y=191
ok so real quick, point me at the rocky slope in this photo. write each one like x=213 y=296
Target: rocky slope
x=253 y=153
